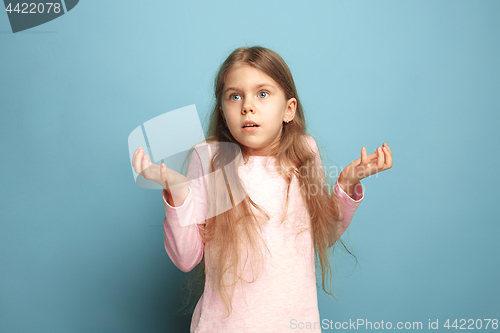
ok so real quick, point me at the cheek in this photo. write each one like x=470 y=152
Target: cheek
x=231 y=110
x=231 y=118
x=278 y=117
x=233 y=124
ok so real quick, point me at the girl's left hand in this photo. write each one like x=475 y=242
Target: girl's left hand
x=366 y=166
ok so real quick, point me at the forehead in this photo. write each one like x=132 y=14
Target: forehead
x=244 y=76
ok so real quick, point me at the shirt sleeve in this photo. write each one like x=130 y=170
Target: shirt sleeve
x=349 y=204
x=182 y=240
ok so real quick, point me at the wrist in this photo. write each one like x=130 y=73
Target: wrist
x=177 y=194
x=347 y=185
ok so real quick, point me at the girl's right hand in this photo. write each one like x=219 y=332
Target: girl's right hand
x=162 y=175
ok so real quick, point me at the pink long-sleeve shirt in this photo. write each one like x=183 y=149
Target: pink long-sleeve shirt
x=284 y=296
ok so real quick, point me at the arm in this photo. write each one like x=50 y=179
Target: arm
x=182 y=240
x=351 y=201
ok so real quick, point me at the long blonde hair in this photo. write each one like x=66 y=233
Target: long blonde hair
x=234 y=234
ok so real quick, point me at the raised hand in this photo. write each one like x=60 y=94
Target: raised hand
x=162 y=175
x=365 y=166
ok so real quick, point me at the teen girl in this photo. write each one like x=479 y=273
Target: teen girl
x=255 y=209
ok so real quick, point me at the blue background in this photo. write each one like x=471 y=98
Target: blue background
x=81 y=246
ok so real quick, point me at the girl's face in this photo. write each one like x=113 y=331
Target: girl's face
x=250 y=94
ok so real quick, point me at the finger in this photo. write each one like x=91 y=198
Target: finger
x=388 y=158
x=138 y=161
x=387 y=146
x=133 y=156
x=137 y=150
x=145 y=165
x=380 y=159
x=375 y=156
x=364 y=157
x=371 y=157
x=163 y=171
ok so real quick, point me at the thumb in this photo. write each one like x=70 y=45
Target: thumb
x=163 y=171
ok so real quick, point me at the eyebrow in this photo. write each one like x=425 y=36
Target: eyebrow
x=255 y=87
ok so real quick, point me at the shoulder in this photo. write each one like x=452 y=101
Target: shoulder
x=214 y=146
x=206 y=148
x=203 y=144
x=199 y=157
x=311 y=142
x=309 y=139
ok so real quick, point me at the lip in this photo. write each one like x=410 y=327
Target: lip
x=249 y=122
x=250 y=129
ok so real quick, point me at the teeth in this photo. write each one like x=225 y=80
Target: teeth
x=250 y=125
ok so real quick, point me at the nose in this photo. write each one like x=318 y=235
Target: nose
x=248 y=107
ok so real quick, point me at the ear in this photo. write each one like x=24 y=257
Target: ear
x=291 y=107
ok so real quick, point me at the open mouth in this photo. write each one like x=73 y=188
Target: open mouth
x=250 y=127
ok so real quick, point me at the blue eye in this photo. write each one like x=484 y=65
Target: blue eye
x=231 y=97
